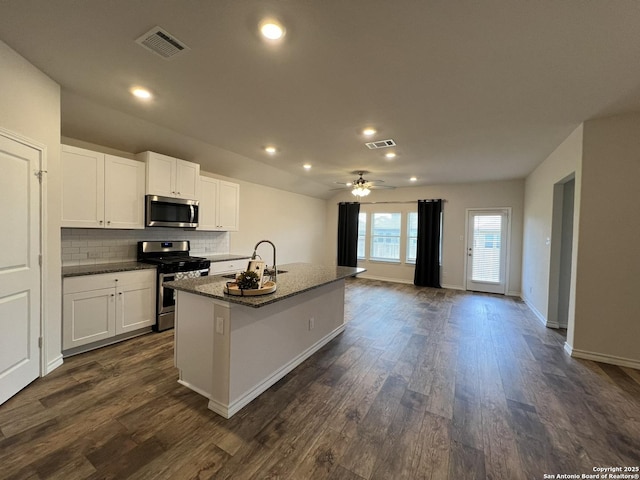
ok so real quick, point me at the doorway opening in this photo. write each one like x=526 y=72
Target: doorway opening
x=560 y=268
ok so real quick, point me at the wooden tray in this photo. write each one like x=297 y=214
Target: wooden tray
x=232 y=289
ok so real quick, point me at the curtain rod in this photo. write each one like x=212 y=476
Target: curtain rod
x=407 y=201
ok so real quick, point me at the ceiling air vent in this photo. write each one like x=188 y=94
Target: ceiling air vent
x=162 y=43
x=381 y=144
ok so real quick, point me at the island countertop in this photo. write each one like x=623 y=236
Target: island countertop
x=299 y=278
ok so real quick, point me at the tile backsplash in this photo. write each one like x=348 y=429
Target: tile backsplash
x=87 y=246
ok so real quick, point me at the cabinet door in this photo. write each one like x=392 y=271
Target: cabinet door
x=229 y=206
x=82 y=188
x=161 y=174
x=187 y=180
x=135 y=306
x=124 y=193
x=208 y=204
x=88 y=317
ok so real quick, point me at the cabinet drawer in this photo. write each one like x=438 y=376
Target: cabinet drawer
x=86 y=283
x=231 y=266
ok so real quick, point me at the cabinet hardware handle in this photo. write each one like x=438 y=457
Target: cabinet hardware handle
x=108 y=222
x=119 y=293
x=100 y=222
x=113 y=295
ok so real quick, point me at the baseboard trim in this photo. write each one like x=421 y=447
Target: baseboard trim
x=195 y=389
x=107 y=341
x=535 y=311
x=568 y=348
x=514 y=294
x=385 y=279
x=53 y=364
x=453 y=287
x=227 y=411
x=604 y=358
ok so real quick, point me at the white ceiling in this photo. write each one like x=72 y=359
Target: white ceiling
x=469 y=90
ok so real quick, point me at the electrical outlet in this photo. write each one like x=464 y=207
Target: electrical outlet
x=312 y=323
x=220 y=325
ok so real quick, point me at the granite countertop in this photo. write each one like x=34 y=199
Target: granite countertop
x=300 y=277
x=224 y=257
x=79 y=270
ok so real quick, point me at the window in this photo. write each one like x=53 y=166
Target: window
x=385 y=236
x=487 y=234
x=362 y=235
x=412 y=236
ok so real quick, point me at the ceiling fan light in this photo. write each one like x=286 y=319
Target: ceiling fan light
x=360 y=191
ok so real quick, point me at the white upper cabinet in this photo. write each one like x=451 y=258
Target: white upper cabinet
x=101 y=191
x=171 y=177
x=124 y=192
x=219 y=205
x=229 y=206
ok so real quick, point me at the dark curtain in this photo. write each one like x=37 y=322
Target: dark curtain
x=348 y=234
x=427 y=272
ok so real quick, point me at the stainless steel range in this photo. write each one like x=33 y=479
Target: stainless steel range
x=174 y=263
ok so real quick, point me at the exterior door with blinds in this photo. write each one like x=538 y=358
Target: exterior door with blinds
x=487 y=250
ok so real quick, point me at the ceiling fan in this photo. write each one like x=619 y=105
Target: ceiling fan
x=362 y=187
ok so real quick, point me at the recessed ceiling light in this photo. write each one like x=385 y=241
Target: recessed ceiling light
x=141 y=93
x=369 y=131
x=270 y=149
x=413 y=179
x=271 y=29
x=307 y=166
x=390 y=155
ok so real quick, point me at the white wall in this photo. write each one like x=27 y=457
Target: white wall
x=607 y=313
x=30 y=107
x=565 y=160
x=458 y=198
x=295 y=223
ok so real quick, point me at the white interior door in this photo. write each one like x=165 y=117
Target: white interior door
x=487 y=250
x=19 y=266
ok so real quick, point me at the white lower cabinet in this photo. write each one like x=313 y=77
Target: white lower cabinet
x=98 y=307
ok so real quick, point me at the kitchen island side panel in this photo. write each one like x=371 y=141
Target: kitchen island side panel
x=265 y=340
x=194 y=342
x=232 y=353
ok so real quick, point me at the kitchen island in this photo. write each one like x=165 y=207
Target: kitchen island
x=230 y=349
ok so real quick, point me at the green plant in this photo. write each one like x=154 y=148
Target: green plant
x=248 y=280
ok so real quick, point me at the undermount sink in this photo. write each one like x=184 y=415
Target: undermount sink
x=232 y=276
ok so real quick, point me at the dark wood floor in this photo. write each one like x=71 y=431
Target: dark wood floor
x=423 y=384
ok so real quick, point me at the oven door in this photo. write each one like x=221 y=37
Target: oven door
x=167 y=297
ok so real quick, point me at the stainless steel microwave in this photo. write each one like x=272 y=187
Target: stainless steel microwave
x=171 y=212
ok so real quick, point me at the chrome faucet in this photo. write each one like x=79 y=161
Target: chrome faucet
x=275 y=268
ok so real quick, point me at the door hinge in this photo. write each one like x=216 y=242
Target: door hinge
x=40 y=259
x=39 y=342
x=39 y=173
